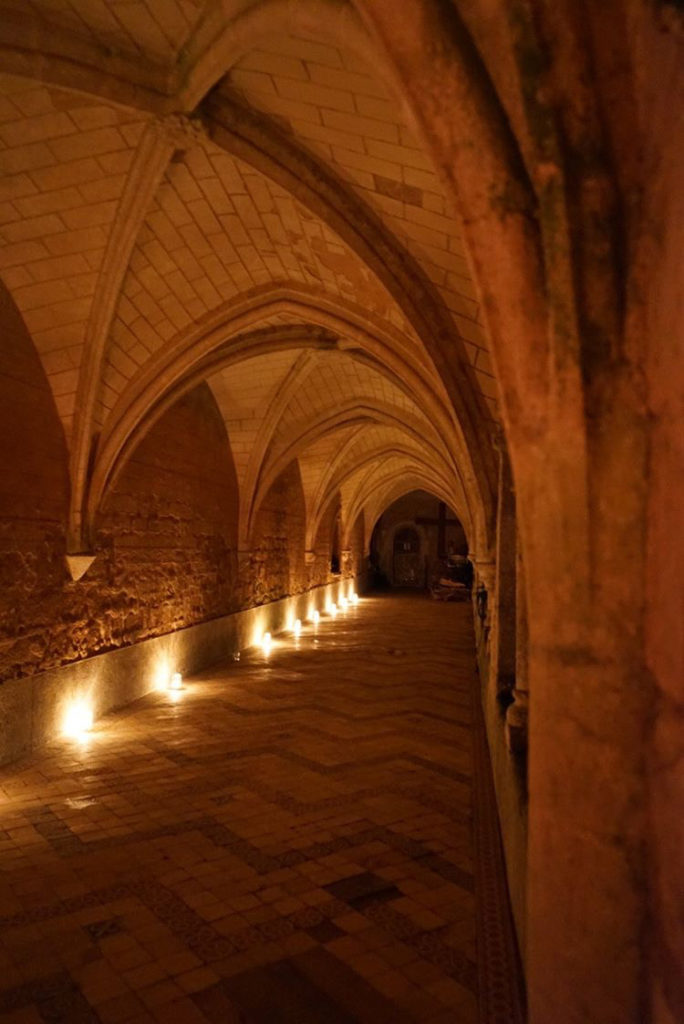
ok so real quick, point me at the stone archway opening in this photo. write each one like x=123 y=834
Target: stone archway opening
x=335 y=561
x=417 y=540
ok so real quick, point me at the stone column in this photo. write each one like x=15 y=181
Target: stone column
x=483 y=599
x=516 y=714
x=346 y=561
x=503 y=633
x=485 y=576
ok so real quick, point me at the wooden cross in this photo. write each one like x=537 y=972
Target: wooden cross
x=441 y=522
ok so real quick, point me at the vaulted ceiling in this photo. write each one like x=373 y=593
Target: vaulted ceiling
x=236 y=193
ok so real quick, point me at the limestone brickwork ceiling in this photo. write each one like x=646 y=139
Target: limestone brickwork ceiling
x=150 y=30
x=235 y=194
x=333 y=103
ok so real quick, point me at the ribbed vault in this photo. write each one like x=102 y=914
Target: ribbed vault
x=237 y=194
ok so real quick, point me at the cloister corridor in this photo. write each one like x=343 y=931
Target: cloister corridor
x=307 y=835
x=305 y=301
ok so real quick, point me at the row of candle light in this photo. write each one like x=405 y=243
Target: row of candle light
x=78 y=720
x=295 y=626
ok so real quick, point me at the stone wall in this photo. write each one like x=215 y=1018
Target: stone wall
x=320 y=571
x=164 y=586
x=34 y=711
x=165 y=541
x=357 y=547
x=33 y=499
x=275 y=566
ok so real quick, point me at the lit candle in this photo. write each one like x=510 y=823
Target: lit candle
x=78 y=720
x=297 y=628
x=162 y=676
x=176 y=681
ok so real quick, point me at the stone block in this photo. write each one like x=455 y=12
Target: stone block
x=16 y=718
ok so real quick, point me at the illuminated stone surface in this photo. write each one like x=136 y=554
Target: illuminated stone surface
x=310 y=837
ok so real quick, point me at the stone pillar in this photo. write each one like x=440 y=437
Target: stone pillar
x=483 y=598
x=485 y=576
x=516 y=714
x=503 y=642
x=346 y=561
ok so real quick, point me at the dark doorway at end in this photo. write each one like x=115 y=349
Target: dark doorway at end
x=418 y=543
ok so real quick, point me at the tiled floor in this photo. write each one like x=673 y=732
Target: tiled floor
x=307 y=837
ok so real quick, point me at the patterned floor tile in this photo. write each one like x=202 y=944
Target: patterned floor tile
x=305 y=837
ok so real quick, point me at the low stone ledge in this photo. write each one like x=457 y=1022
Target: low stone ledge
x=33 y=709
